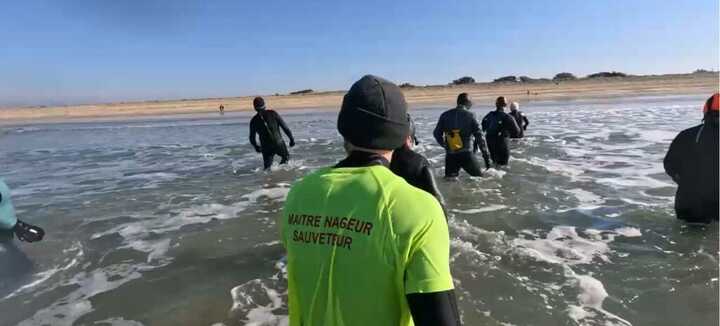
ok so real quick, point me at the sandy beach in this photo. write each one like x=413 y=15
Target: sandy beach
x=703 y=83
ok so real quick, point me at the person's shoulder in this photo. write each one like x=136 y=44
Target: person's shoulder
x=411 y=208
x=409 y=154
x=689 y=132
x=692 y=129
x=446 y=113
x=407 y=199
x=310 y=178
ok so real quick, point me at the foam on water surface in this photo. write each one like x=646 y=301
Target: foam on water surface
x=488 y=208
x=553 y=239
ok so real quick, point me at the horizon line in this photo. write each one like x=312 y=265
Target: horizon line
x=325 y=91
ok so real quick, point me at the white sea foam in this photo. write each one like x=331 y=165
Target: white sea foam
x=259 y=302
x=136 y=233
x=68 y=309
x=586 y=197
x=495 y=173
x=590 y=298
x=657 y=136
x=563 y=245
x=467 y=251
x=627 y=181
x=41 y=277
x=71 y=307
x=488 y=208
x=560 y=167
x=118 y=321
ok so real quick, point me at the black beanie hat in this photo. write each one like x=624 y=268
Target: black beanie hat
x=259 y=103
x=374 y=114
x=464 y=100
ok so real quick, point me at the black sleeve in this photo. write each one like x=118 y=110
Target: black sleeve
x=429 y=184
x=253 y=132
x=673 y=159
x=526 y=121
x=475 y=127
x=434 y=309
x=438 y=132
x=482 y=146
x=282 y=125
x=512 y=126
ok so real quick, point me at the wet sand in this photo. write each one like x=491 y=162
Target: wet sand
x=416 y=96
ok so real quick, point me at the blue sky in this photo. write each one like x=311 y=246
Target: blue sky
x=84 y=51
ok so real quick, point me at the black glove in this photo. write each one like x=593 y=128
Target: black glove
x=258 y=149
x=28 y=233
x=476 y=146
x=292 y=142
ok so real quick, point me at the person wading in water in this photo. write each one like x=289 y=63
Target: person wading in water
x=267 y=124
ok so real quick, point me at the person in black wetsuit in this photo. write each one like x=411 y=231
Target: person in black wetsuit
x=520 y=118
x=413 y=167
x=692 y=162
x=267 y=124
x=498 y=126
x=453 y=132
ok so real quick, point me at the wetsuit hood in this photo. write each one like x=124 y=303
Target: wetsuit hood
x=711 y=119
x=464 y=100
x=259 y=104
x=712 y=104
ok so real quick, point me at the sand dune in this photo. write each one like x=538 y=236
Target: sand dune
x=705 y=83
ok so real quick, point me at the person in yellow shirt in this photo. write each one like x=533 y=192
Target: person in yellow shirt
x=363 y=246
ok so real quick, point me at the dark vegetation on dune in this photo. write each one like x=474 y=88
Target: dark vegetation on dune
x=304 y=91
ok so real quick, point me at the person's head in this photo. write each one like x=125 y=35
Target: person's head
x=712 y=108
x=259 y=103
x=411 y=139
x=501 y=103
x=373 y=116
x=514 y=106
x=463 y=99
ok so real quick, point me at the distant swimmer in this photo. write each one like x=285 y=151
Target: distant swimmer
x=364 y=247
x=222 y=109
x=520 y=118
x=498 y=126
x=9 y=224
x=453 y=131
x=413 y=167
x=267 y=124
x=692 y=162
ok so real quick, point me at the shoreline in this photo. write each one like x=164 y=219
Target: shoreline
x=417 y=97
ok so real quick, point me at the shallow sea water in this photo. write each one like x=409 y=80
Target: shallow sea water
x=171 y=222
